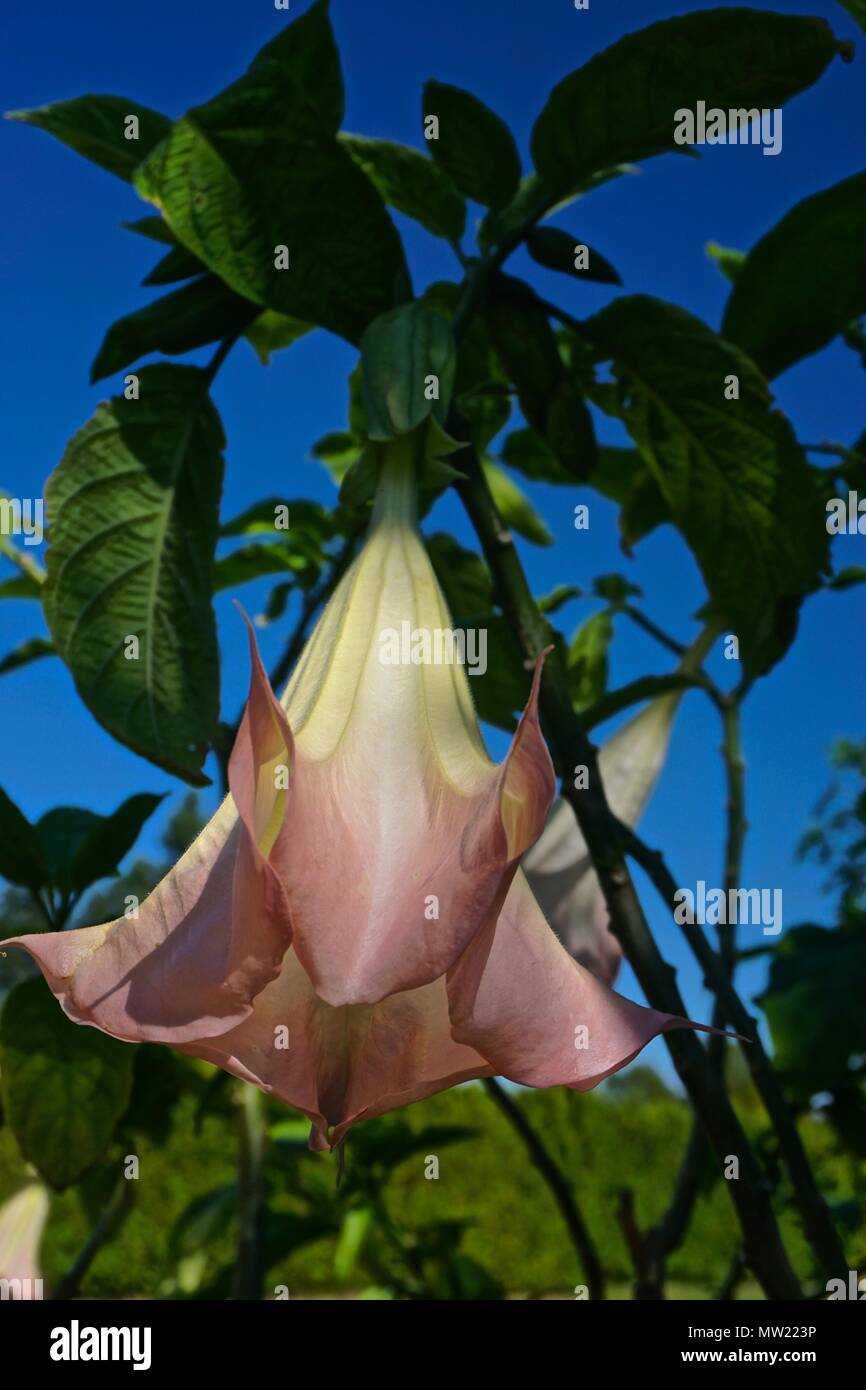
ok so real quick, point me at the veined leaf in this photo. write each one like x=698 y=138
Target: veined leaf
x=64 y=1087
x=730 y=470
x=400 y=352
x=255 y=185
x=134 y=507
x=804 y=281
x=621 y=105
x=411 y=183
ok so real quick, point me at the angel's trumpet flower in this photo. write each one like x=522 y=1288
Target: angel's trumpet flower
x=558 y=865
x=22 y=1222
x=351 y=931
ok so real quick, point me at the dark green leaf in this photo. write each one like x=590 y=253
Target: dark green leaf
x=81 y=847
x=95 y=126
x=804 y=281
x=621 y=106
x=64 y=1086
x=474 y=146
x=258 y=169
x=857 y=10
x=154 y=228
x=135 y=512
x=400 y=352
x=814 y=1005
x=176 y=264
x=178 y=322
x=21 y=858
x=730 y=471
x=25 y=652
x=21 y=586
x=528 y=452
x=558 y=250
x=411 y=183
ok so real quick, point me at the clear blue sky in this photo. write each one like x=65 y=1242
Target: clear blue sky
x=69 y=271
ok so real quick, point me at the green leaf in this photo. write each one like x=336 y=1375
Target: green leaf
x=30 y=650
x=258 y=168
x=558 y=250
x=514 y=506
x=254 y=561
x=81 y=847
x=178 y=322
x=135 y=513
x=303 y=518
x=154 y=228
x=814 y=1005
x=21 y=586
x=557 y=598
x=400 y=351
x=22 y=860
x=621 y=106
x=528 y=452
x=549 y=397
x=176 y=264
x=463 y=575
x=411 y=183
x=736 y=483
x=844 y=579
x=95 y=126
x=857 y=10
x=791 y=297
x=474 y=146
x=64 y=1087
x=271 y=332
x=587 y=660
x=729 y=261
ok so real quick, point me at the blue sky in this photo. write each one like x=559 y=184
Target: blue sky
x=70 y=271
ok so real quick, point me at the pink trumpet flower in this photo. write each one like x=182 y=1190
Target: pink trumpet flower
x=351 y=931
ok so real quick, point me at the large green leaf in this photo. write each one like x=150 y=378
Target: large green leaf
x=81 y=847
x=259 y=168
x=95 y=126
x=134 y=509
x=736 y=483
x=401 y=352
x=22 y=859
x=474 y=146
x=411 y=183
x=804 y=281
x=814 y=1005
x=64 y=1087
x=178 y=322
x=621 y=105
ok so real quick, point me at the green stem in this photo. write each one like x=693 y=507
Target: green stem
x=107 y=1225
x=249 y=1266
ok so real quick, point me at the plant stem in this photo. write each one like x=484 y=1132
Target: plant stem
x=558 y=1184
x=249 y=1267
x=108 y=1223
x=602 y=834
x=817 y=1221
